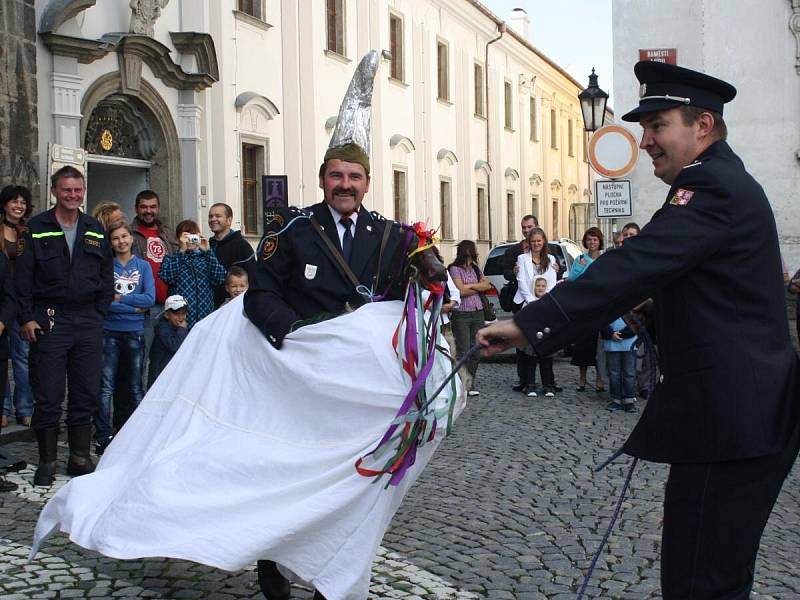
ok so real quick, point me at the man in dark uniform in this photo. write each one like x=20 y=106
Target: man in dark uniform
x=725 y=411
x=299 y=276
x=64 y=278
x=510 y=273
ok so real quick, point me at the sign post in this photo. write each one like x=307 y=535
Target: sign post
x=613 y=152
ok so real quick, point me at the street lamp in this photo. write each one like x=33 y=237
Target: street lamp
x=593 y=104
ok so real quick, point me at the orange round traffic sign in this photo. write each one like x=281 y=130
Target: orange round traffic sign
x=613 y=151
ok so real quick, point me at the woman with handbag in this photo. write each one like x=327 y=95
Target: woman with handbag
x=468 y=317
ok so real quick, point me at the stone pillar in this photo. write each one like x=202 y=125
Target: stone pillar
x=19 y=137
x=189 y=115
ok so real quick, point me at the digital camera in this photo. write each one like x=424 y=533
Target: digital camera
x=193 y=238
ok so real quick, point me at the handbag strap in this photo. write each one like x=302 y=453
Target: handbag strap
x=337 y=255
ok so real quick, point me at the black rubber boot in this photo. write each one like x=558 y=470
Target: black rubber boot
x=80 y=440
x=47 y=440
x=273 y=585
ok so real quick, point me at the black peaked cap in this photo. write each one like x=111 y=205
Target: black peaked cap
x=665 y=86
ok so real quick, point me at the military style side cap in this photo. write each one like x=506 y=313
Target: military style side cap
x=665 y=86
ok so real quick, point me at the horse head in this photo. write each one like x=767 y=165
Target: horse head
x=425 y=261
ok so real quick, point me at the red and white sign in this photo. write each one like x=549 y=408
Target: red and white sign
x=613 y=151
x=664 y=55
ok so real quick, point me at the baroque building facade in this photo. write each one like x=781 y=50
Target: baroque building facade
x=472 y=126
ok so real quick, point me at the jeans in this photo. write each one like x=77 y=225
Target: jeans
x=22 y=400
x=122 y=351
x=465 y=326
x=622 y=375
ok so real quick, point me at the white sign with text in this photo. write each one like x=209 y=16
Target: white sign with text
x=613 y=198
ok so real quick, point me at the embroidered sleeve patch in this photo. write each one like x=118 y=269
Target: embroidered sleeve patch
x=682 y=197
x=270 y=247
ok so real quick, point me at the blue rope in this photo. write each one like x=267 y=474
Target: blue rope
x=277 y=233
x=614 y=517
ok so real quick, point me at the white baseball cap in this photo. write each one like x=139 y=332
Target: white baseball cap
x=174 y=302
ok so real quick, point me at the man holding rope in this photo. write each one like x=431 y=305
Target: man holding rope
x=724 y=413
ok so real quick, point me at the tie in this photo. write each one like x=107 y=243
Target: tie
x=347 y=239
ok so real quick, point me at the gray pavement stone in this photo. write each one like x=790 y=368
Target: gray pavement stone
x=509 y=508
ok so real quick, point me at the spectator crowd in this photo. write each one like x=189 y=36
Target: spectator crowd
x=164 y=281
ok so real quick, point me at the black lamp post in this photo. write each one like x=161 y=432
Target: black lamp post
x=593 y=105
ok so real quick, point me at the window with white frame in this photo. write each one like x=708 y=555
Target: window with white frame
x=511 y=219
x=253 y=167
x=254 y=8
x=396 y=46
x=509 y=105
x=483 y=214
x=480 y=105
x=334 y=16
x=534 y=126
x=445 y=197
x=442 y=71
x=399 y=195
x=570 y=138
x=553 y=129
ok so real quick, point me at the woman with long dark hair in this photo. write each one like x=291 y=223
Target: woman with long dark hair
x=467 y=317
x=17 y=205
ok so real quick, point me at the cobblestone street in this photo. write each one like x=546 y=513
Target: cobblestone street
x=508 y=508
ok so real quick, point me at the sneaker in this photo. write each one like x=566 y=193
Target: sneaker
x=532 y=394
x=612 y=406
x=549 y=394
x=518 y=387
x=473 y=393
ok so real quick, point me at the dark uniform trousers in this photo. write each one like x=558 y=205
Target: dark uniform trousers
x=74 y=345
x=714 y=515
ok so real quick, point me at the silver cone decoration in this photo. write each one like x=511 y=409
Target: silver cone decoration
x=355 y=113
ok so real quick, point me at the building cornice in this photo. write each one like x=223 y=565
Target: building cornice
x=58 y=12
x=155 y=54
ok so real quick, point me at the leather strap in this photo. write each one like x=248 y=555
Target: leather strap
x=345 y=268
x=387 y=230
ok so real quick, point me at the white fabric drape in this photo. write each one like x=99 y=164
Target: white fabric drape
x=242 y=452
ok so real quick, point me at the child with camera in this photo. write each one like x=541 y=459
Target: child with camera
x=193 y=271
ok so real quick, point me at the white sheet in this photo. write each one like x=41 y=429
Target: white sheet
x=240 y=452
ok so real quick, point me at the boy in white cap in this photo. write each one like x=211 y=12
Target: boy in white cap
x=170 y=331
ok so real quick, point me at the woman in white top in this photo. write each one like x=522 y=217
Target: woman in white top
x=535 y=262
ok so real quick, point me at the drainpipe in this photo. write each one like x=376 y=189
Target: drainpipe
x=501 y=27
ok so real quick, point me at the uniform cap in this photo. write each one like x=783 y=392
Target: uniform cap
x=664 y=86
x=174 y=302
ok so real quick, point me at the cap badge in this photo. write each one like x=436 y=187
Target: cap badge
x=642 y=90
x=310 y=272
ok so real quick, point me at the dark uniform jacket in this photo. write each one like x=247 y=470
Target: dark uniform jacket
x=710 y=259
x=8 y=304
x=297 y=276
x=45 y=274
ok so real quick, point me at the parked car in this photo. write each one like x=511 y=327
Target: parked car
x=564 y=250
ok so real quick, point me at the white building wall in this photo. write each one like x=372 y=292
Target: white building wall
x=295 y=87
x=748 y=43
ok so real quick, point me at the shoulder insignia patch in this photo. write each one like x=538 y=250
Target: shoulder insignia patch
x=270 y=247
x=682 y=197
x=277 y=218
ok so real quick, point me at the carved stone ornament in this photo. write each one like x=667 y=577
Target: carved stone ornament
x=794 y=26
x=144 y=14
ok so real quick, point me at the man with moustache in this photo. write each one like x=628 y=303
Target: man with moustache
x=724 y=414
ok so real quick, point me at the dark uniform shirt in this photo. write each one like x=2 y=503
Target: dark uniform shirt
x=46 y=274
x=711 y=260
x=298 y=278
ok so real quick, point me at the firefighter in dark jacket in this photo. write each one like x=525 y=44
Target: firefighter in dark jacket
x=64 y=279
x=724 y=414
